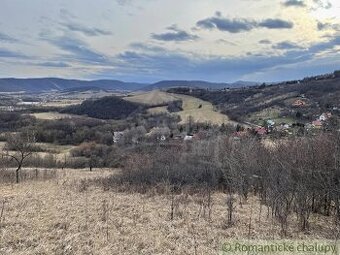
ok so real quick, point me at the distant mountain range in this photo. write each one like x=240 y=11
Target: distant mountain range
x=197 y=84
x=56 y=84
x=37 y=85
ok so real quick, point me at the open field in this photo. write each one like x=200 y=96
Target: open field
x=62 y=103
x=66 y=216
x=51 y=115
x=199 y=110
x=58 y=151
x=154 y=97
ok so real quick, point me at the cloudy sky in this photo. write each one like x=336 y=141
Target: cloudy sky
x=151 y=40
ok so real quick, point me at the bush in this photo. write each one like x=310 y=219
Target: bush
x=175 y=106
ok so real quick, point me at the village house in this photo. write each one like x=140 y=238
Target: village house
x=159 y=133
x=188 y=138
x=299 y=103
x=117 y=136
x=317 y=124
x=283 y=127
x=309 y=126
x=270 y=123
x=325 y=116
x=260 y=131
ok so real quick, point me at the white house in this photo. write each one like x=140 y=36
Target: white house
x=325 y=116
x=188 y=138
x=117 y=136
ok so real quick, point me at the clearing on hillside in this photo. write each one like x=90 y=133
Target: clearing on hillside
x=199 y=110
x=151 y=98
x=51 y=115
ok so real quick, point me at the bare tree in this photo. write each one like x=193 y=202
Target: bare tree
x=18 y=148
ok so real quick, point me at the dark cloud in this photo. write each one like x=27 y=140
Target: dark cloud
x=224 y=24
x=297 y=3
x=146 y=47
x=7 y=38
x=328 y=26
x=265 y=41
x=322 y=46
x=175 y=34
x=322 y=26
x=276 y=24
x=165 y=64
x=76 y=49
x=89 y=31
x=324 y=4
x=56 y=64
x=70 y=22
x=4 y=53
x=241 y=25
x=286 y=45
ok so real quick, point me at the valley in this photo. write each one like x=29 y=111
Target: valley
x=192 y=167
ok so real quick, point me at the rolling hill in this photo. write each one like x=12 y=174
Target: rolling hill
x=196 y=84
x=151 y=98
x=56 y=84
x=38 y=85
x=199 y=110
x=292 y=101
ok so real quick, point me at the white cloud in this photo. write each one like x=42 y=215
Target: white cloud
x=70 y=36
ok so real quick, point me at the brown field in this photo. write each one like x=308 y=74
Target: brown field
x=206 y=113
x=64 y=215
x=62 y=103
x=154 y=97
x=51 y=115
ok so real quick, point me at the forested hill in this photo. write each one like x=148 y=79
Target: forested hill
x=298 y=100
x=105 y=108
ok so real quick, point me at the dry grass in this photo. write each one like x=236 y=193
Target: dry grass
x=199 y=110
x=2 y=145
x=66 y=216
x=63 y=102
x=154 y=97
x=157 y=110
x=51 y=115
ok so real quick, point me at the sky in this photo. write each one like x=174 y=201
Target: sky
x=151 y=40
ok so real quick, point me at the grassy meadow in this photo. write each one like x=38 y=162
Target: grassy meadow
x=72 y=213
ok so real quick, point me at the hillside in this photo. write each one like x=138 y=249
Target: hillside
x=195 y=84
x=38 y=85
x=294 y=101
x=151 y=98
x=105 y=108
x=56 y=84
x=199 y=110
